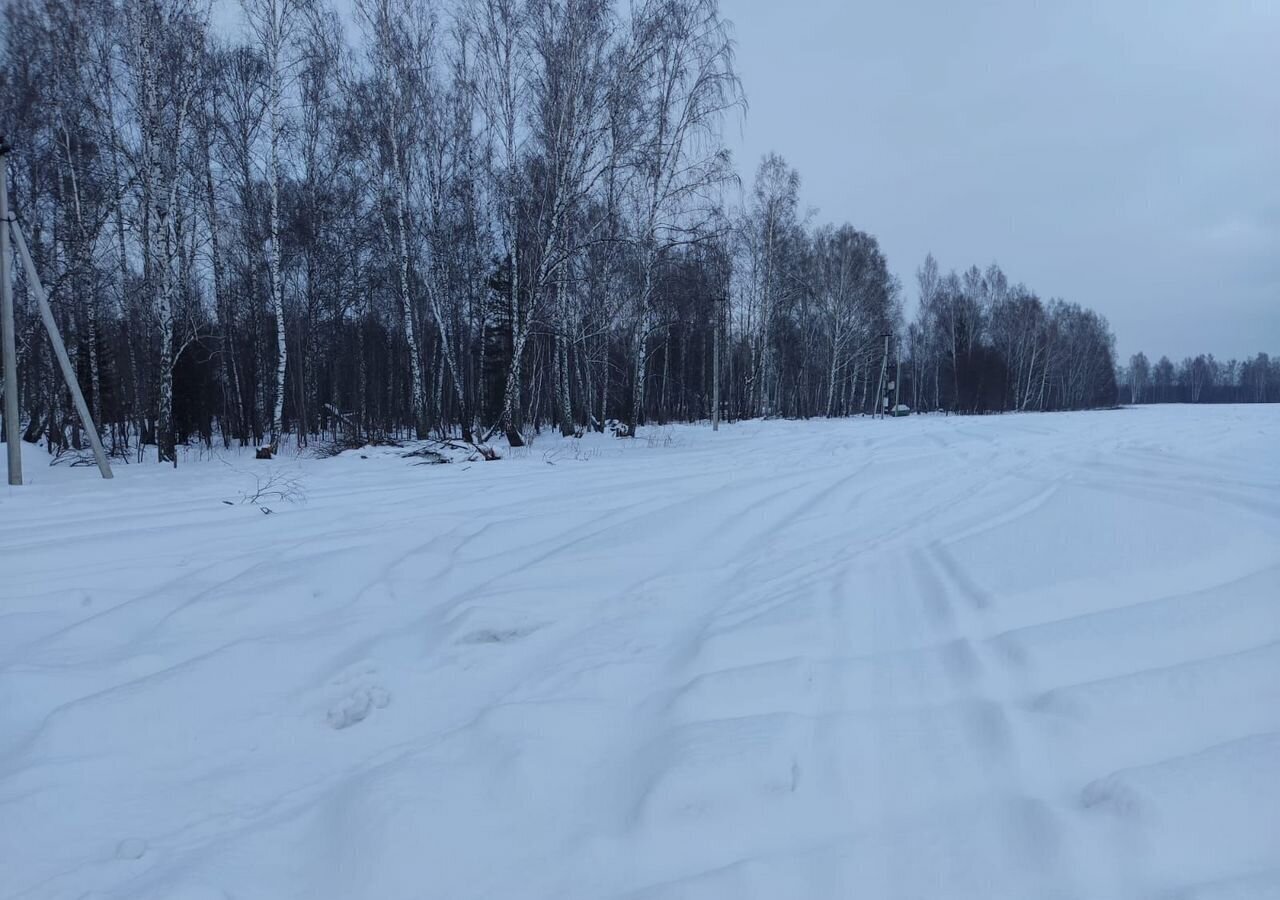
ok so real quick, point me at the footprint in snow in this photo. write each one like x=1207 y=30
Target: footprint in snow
x=1112 y=794
x=357 y=706
x=131 y=848
x=492 y=625
x=497 y=635
x=361 y=694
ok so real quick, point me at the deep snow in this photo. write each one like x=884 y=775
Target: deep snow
x=1029 y=656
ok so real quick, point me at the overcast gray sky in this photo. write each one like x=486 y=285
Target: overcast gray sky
x=1121 y=154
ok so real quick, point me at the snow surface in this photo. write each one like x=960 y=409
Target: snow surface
x=1031 y=656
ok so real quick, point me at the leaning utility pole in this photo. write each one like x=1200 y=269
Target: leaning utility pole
x=8 y=344
x=60 y=351
x=9 y=227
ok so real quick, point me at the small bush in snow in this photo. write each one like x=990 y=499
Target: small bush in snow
x=276 y=486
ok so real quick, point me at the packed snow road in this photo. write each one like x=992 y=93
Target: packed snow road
x=1013 y=657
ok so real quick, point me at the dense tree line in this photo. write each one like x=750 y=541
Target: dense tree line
x=980 y=344
x=472 y=218
x=1201 y=380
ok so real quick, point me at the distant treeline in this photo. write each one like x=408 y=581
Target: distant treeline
x=979 y=344
x=476 y=217
x=1201 y=380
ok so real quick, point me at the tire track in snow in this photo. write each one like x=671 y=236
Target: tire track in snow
x=793 y=681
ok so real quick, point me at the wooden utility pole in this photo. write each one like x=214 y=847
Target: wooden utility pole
x=8 y=343
x=715 y=366
x=60 y=350
x=884 y=365
x=897 y=376
x=9 y=229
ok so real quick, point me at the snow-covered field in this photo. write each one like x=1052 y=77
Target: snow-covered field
x=1013 y=657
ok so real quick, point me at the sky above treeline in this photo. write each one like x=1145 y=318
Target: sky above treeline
x=1124 y=155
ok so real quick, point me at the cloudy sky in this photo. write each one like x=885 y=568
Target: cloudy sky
x=1122 y=154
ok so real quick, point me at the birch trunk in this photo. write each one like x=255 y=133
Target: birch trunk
x=275 y=101
x=419 y=399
